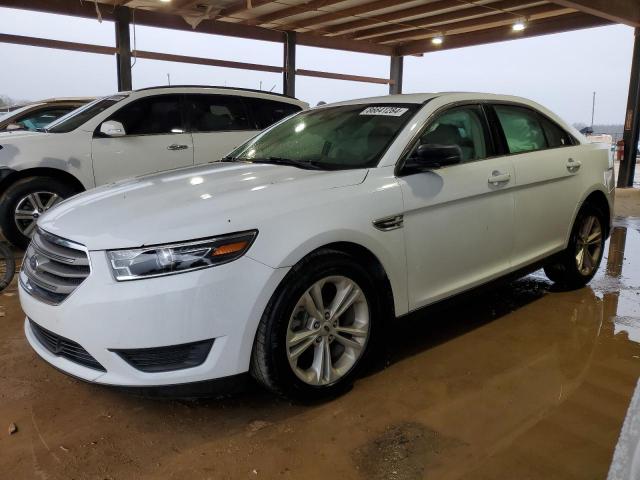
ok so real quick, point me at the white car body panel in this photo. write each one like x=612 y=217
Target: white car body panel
x=207 y=146
x=130 y=156
x=457 y=209
x=460 y=230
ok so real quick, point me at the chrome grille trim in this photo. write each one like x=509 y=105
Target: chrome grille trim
x=53 y=267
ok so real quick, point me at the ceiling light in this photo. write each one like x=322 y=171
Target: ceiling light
x=518 y=26
x=437 y=40
x=165 y=1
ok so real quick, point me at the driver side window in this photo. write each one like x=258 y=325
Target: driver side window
x=462 y=126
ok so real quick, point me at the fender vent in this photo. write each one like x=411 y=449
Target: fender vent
x=389 y=223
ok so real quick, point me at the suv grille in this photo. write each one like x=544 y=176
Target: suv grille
x=64 y=347
x=53 y=267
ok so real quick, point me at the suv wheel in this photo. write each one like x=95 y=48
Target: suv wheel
x=318 y=329
x=578 y=263
x=24 y=202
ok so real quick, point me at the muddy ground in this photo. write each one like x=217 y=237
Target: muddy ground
x=518 y=382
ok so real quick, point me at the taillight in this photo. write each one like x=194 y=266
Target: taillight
x=619 y=150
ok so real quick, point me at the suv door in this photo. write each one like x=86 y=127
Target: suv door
x=458 y=220
x=218 y=124
x=547 y=170
x=155 y=140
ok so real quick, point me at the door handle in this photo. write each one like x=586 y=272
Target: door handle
x=175 y=146
x=498 y=178
x=573 y=165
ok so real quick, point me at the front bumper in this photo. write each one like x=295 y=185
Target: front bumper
x=223 y=303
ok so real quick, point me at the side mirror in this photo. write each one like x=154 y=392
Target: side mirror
x=430 y=156
x=14 y=126
x=111 y=128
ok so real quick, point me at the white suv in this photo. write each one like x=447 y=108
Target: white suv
x=125 y=135
x=288 y=258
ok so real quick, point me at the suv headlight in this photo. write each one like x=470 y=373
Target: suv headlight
x=181 y=257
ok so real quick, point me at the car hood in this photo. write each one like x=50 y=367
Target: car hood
x=188 y=204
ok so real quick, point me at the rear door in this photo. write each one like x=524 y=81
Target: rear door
x=218 y=124
x=547 y=172
x=458 y=220
x=156 y=140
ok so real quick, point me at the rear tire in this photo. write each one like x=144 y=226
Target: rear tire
x=21 y=198
x=303 y=357
x=578 y=263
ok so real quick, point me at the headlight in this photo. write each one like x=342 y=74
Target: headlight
x=179 y=257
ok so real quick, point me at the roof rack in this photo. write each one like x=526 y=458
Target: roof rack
x=255 y=90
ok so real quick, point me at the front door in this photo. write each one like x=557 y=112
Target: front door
x=458 y=220
x=155 y=140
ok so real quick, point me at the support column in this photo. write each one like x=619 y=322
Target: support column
x=395 y=74
x=123 y=44
x=289 y=74
x=631 y=120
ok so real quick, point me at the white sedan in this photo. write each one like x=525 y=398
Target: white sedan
x=285 y=259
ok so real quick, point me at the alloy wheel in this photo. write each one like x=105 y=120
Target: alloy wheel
x=588 y=245
x=328 y=331
x=31 y=207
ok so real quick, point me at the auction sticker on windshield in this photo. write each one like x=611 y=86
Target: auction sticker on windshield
x=389 y=111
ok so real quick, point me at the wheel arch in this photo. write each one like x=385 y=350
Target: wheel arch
x=366 y=257
x=598 y=197
x=373 y=264
x=55 y=173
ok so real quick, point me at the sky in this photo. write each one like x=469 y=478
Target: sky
x=559 y=71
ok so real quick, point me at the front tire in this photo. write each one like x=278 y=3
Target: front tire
x=318 y=329
x=24 y=202
x=578 y=263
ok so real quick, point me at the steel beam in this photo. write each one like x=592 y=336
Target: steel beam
x=395 y=75
x=631 y=120
x=619 y=11
x=289 y=74
x=123 y=48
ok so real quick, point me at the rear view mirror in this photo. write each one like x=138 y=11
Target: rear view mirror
x=430 y=156
x=111 y=128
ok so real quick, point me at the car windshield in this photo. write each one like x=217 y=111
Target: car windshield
x=74 y=119
x=341 y=137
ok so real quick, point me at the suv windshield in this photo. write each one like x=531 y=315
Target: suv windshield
x=349 y=136
x=74 y=119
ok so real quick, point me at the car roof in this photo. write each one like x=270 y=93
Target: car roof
x=419 y=98
x=452 y=97
x=243 y=92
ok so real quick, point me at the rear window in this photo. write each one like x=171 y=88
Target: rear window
x=556 y=136
x=217 y=113
x=267 y=112
x=522 y=128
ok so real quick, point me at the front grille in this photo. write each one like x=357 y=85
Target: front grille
x=166 y=359
x=53 y=267
x=63 y=347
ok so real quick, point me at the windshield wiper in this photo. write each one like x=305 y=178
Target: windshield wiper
x=307 y=165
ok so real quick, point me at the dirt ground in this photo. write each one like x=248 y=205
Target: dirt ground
x=518 y=382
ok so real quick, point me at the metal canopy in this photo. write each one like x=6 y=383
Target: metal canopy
x=387 y=27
